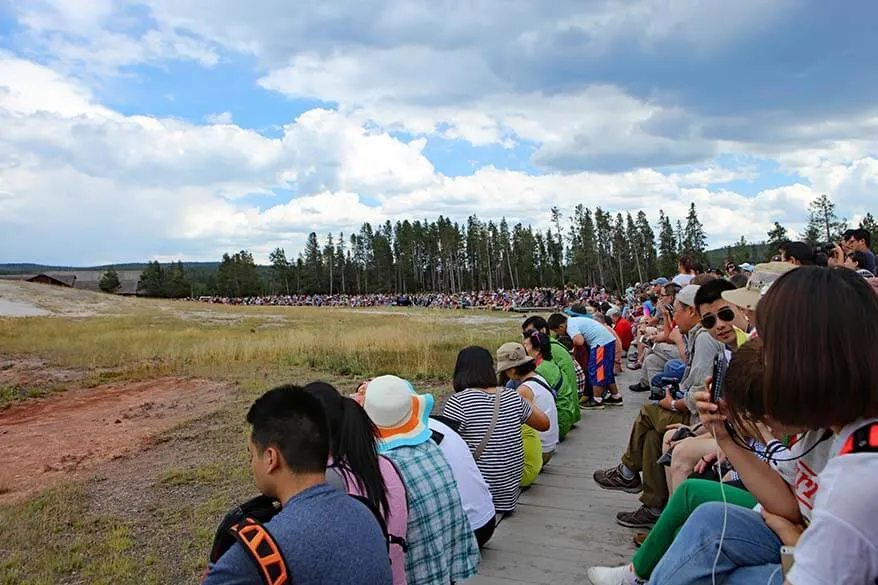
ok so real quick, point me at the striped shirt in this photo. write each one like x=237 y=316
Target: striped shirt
x=441 y=546
x=502 y=461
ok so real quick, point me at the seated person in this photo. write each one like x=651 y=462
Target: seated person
x=326 y=536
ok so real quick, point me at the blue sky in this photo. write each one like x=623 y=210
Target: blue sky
x=159 y=129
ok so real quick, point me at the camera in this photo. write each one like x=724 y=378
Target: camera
x=667 y=385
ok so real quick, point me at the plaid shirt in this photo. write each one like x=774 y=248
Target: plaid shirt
x=581 y=378
x=441 y=545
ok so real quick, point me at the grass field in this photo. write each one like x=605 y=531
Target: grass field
x=149 y=516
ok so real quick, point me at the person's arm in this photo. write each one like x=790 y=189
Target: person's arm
x=454 y=410
x=233 y=568
x=618 y=351
x=768 y=487
x=578 y=339
x=533 y=416
x=676 y=337
x=701 y=366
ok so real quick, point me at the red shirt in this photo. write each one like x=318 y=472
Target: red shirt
x=623 y=330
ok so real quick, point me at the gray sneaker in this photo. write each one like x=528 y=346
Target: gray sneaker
x=640 y=518
x=612 y=479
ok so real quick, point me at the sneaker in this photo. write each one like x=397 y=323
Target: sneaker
x=639 y=387
x=612 y=479
x=613 y=401
x=640 y=518
x=605 y=394
x=591 y=404
x=635 y=366
x=623 y=575
x=640 y=538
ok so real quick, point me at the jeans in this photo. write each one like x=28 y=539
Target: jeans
x=644 y=449
x=687 y=498
x=750 y=550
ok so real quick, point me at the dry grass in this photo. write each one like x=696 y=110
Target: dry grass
x=74 y=534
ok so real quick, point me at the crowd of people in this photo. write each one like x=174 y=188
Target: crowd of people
x=496 y=300
x=755 y=457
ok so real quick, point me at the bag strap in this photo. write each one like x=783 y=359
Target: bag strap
x=551 y=390
x=496 y=414
x=260 y=546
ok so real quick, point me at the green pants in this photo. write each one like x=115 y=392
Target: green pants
x=688 y=496
x=645 y=447
x=533 y=455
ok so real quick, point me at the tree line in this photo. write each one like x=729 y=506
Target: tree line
x=406 y=257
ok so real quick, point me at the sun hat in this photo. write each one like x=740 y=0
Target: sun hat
x=687 y=294
x=511 y=355
x=761 y=278
x=661 y=281
x=400 y=414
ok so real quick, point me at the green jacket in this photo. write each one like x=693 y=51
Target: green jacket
x=567 y=402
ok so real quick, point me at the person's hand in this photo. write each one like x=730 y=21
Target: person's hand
x=786 y=531
x=710 y=414
x=667 y=401
x=676 y=337
x=705 y=463
x=837 y=258
x=360 y=395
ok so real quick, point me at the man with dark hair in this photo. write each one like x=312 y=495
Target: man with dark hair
x=325 y=536
x=860 y=240
x=645 y=442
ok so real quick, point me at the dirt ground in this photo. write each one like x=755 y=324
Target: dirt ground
x=57 y=438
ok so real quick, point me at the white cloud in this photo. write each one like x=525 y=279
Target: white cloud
x=223 y=118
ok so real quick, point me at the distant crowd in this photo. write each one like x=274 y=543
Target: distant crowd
x=755 y=455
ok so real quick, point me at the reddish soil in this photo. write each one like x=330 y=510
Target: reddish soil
x=50 y=439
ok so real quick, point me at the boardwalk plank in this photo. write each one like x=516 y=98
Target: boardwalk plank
x=565 y=522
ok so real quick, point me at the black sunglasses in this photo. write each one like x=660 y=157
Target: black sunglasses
x=725 y=314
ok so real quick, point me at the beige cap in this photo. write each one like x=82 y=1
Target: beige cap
x=761 y=278
x=511 y=355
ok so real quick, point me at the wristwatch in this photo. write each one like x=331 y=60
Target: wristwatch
x=674 y=406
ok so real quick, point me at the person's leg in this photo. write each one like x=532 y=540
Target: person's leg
x=533 y=455
x=746 y=542
x=596 y=372
x=484 y=533
x=686 y=455
x=684 y=500
x=655 y=487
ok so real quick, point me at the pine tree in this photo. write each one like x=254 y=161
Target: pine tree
x=280 y=270
x=312 y=257
x=694 y=240
x=152 y=280
x=647 y=245
x=869 y=224
x=176 y=282
x=777 y=236
x=110 y=281
x=556 y=220
x=667 y=260
x=823 y=219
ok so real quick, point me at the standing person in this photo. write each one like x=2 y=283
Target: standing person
x=602 y=354
x=860 y=240
x=441 y=545
x=497 y=450
x=567 y=400
x=686 y=270
x=356 y=468
x=514 y=362
x=325 y=536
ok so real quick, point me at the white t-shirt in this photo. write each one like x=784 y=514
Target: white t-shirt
x=841 y=543
x=545 y=402
x=683 y=279
x=802 y=473
x=474 y=492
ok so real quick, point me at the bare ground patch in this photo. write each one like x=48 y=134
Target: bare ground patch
x=53 y=439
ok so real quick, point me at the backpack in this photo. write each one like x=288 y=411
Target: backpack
x=862 y=440
x=245 y=524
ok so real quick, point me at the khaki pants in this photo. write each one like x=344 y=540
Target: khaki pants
x=645 y=448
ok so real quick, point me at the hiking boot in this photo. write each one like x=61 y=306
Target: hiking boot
x=612 y=479
x=613 y=401
x=640 y=518
x=640 y=538
x=639 y=387
x=591 y=404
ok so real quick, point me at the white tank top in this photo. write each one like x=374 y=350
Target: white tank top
x=545 y=402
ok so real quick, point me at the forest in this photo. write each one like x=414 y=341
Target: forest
x=586 y=247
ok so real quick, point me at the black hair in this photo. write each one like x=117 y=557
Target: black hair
x=800 y=251
x=292 y=421
x=535 y=322
x=712 y=291
x=739 y=279
x=653 y=298
x=352 y=437
x=474 y=369
x=861 y=234
x=525 y=368
x=672 y=288
x=565 y=341
x=687 y=262
x=860 y=258
x=555 y=321
x=541 y=342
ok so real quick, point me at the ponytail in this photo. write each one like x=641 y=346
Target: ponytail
x=353 y=442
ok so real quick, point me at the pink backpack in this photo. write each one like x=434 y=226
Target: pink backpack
x=396 y=519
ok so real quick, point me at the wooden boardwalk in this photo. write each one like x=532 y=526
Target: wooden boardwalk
x=564 y=522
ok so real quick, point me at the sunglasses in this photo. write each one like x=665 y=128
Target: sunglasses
x=725 y=314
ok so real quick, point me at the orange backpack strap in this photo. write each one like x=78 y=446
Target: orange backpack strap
x=862 y=440
x=263 y=549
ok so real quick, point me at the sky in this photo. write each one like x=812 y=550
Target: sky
x=181 y=129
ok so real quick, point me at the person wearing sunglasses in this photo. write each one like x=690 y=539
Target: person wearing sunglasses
x=724 y=320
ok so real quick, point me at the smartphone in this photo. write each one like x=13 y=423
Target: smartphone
x=720 y=365
x=786 y=558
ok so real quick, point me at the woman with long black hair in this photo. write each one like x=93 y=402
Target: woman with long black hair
x=357 y=469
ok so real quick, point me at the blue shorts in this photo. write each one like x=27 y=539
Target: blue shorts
x=601 y=361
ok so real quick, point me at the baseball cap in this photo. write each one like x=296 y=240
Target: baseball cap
x=687 y=294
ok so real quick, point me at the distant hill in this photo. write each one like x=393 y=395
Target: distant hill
x=27 y=268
